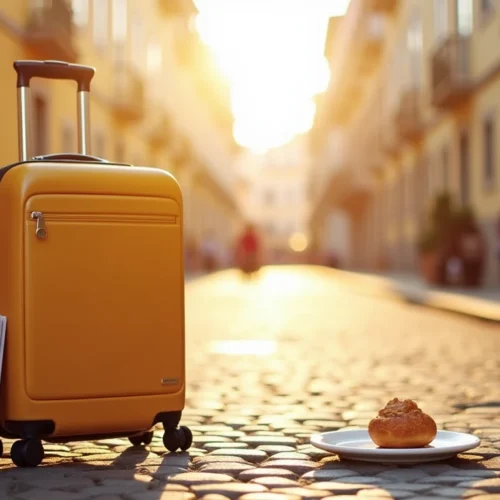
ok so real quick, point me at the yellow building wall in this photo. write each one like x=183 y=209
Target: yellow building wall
x=485 y=53
x=486 y=199
x=61 y=102
x=10 y=51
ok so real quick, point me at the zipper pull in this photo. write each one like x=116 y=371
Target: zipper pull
x=41 y=228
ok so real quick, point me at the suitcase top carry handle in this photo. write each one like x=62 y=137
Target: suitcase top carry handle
x=58 y=70
x=70 y=157
x=55 y=70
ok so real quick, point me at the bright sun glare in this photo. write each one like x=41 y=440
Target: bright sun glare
x=271 y=51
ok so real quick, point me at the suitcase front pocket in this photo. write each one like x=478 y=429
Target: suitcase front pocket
x=104 y=310
x=41 y=219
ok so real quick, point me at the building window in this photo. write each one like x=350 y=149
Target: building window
x=154 y=58
x=487 y=7
x=99 y=145
x=440 y=20
x=464 y=10
x=269 y=197
x=120 y=152
x=120 y=20
x=67 y=138
x=138 y=41
x=80 y=12
x=489 y=151
x=445 y=159
x=40 y=137
x=414 y=44
x=401 y=200
x=100 y=22
x=464 y=168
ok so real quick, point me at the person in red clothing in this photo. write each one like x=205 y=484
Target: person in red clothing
x=248 y=250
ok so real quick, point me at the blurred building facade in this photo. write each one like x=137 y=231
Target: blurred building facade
x=412 y=110
x=275 y=199
x=151 y=101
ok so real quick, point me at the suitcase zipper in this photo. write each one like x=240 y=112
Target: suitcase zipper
x=42 y=217
x=41 y=230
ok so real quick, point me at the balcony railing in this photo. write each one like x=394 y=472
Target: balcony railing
x=49 y=30
x=390 y=138
x=451 y=75
x=385 y=6
x=128 y=93
x=409 y=122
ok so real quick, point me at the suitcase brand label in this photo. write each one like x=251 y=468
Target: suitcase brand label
x=169 y=381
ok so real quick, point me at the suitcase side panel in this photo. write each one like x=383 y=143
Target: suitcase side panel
x=84 y=416
x=11 y=294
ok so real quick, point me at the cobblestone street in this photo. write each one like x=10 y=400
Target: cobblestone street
x=270 y=362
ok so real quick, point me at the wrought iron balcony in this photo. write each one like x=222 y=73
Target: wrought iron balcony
x=451 y=75
x=128 y=93
x=409 y=123
x=49 y=30
x=371 y=40
x=160 y=129
x=177 y=7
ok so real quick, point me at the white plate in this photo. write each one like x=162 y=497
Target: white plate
x=357 y=445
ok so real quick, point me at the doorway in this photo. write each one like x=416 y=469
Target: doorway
x=464 y=159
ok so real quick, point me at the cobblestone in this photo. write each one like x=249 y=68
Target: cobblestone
x=222 y=446
x=269 y=496
x=384 y=493
x=304 y=493
x=274 y=481
x=271 y=472
x=230 y=490
x=270 y=440
x=488 y=485
x=455 y=492
x=328 y=360
x=231 y=468
x=274 y=449
x=253 y=456
x=299 y=467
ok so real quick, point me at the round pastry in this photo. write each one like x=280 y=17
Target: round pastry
x=402 y=424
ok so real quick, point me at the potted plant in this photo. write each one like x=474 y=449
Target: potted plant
x=451 y=232
x=436 y=239
x=471 y=245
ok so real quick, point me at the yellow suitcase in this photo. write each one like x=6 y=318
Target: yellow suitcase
x=92 y=286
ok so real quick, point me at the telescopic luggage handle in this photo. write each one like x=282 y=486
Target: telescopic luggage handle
x=57 y=70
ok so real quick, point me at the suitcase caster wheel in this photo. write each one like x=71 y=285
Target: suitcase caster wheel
x=145 y=438
x=178 y=438
x=27 y=453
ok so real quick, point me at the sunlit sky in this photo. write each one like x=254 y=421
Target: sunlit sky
x=272 y=53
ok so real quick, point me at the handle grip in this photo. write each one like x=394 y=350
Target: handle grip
x=58 y=70
x=55 y=70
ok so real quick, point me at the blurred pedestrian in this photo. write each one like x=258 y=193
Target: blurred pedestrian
x=248 y=250
x=472 y=253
